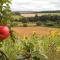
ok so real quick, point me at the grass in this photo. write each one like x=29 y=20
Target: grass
x=34 y=47
x=34 y=24
x=17 y=17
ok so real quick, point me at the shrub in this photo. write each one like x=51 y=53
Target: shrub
x=49 y=24
x=38 y=23
x=14 y=24
x=24 y=24
x=31 y=49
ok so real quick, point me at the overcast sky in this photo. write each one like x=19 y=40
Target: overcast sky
x=35 y=5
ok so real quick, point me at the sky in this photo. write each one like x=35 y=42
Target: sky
x=35 y=5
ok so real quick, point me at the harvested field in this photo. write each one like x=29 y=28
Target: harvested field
x=27 y=31
x=39 y=14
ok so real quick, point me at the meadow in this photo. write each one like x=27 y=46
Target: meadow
x=39 y=43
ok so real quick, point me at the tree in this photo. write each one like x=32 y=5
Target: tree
x=5 y=14
x=5 y=6
x=4 y=10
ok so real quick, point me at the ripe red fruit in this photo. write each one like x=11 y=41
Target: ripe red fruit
x=4 y=32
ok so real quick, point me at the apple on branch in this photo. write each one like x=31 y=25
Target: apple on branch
x=4 y=32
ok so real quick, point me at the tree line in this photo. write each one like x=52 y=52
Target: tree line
x=43 y=18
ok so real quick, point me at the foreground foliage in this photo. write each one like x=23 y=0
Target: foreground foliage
x=34 y=47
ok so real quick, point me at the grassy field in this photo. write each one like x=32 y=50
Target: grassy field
x=17 y=16
x=27 y=31
x=33 y=46
x=37 y=43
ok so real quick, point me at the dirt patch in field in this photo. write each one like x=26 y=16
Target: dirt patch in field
x=28 y=31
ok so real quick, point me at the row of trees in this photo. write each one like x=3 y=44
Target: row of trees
x=43 y=18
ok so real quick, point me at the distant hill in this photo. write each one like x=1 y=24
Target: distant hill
x=23 y=12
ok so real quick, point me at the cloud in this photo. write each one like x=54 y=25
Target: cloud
x=35 y=5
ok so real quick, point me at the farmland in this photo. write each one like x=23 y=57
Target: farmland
x=39 y=14
x=27 y=31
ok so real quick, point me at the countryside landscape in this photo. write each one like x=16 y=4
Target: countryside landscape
x=29 y=35
x=28 y=22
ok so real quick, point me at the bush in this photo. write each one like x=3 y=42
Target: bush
x=38 y=23
x=31 y=49
x=49 y=24
x=24 y=24
x=14 y=24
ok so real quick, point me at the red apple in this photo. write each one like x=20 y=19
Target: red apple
x=4 y=32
